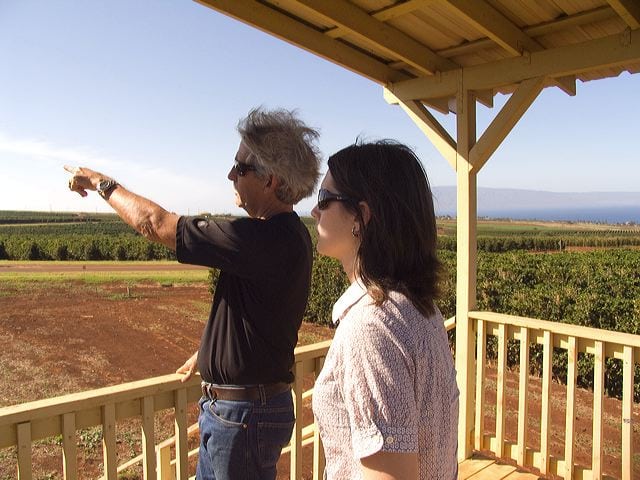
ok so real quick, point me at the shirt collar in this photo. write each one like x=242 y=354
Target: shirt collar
x=348 y=299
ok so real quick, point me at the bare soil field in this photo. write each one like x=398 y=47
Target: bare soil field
x=58 y=338
x=64 y=337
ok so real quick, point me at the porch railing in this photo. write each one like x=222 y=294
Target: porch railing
x=22 y=425
x=573 y=340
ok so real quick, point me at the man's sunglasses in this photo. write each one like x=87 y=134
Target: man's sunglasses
x=325 y=197
x=242 y=168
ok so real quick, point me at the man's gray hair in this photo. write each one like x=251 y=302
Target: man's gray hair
x=283 y=146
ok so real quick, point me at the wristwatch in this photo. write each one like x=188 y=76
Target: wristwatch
x=105 y=186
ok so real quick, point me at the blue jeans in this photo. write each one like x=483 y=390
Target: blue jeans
x=242 y=440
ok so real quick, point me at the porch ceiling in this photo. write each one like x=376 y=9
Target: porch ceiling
x=430 y=49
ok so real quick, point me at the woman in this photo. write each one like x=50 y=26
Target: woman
x=386 y=401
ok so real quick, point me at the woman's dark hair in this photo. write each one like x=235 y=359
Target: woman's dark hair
x=398 y=244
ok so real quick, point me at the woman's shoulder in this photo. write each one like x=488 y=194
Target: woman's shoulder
x=396 y=315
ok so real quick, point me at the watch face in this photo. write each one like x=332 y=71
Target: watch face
x=105 y=185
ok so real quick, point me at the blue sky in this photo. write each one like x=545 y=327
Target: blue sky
x=150 y=91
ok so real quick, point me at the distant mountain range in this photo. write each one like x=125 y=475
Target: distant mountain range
x=616 y=207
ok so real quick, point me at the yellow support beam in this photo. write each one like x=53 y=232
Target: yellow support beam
x=466 y=268
x=503 y=123
x=629 y=10
x=426 y=122
x=601 y=53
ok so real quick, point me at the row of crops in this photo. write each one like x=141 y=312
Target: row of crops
x=106 y=237
x=599 y=288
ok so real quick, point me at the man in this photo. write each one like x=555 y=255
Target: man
x=246 y=351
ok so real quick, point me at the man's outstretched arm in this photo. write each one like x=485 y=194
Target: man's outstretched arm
x=150 y=219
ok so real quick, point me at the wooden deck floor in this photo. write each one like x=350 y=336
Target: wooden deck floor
x=481 y=468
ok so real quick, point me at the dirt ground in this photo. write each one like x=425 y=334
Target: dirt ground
x=59 y=338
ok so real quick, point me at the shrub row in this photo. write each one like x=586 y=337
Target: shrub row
x=509 y=243
x=82 y=247
x=599 y=289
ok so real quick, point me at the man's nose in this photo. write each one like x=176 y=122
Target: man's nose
x=232 y=175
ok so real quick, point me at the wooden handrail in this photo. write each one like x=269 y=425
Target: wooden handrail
x=578 y=331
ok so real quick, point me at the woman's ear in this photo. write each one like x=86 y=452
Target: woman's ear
x=365 y=211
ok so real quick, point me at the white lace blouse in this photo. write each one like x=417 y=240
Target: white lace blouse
x=388 y=384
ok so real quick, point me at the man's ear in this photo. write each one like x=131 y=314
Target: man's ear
x=271 y=183
x=365 y=211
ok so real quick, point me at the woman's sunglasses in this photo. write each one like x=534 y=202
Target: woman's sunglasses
x=242 y=168
x=325 y=197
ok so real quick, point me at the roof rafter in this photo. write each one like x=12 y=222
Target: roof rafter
x=595 y=15
x=394 y=42
x=595 y=54
x=629 y=10
x=494 y=25
x=384 y=14
x=286 y=28
x=501 y=30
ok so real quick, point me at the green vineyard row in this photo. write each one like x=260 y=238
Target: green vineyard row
x=599 y=289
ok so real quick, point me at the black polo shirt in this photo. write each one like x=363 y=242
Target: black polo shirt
x=260 y=297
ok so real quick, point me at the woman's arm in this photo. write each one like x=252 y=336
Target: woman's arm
x=390 y=466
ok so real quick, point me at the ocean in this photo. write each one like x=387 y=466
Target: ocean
x=595 y=215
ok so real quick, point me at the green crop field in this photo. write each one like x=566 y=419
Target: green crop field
x=524 y=268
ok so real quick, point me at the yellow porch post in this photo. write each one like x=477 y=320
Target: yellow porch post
x=466 y=268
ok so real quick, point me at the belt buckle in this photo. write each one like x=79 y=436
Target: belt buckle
x=209 y=391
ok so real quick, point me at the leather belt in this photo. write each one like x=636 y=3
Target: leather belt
x=240 y=393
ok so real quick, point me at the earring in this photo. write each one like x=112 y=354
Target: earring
x=355 y=232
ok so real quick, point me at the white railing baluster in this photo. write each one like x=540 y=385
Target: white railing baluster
x=163 y=463
x=181 y=430
x=481 y=364
x=628 y=370
x=572 y=378
x=24 y=451
x=148 y=438
x=109 y=442
x=318 y=451
x=598 y=400
x=69 y=447
x=296 y=438
x=547 y=363
x=501 y=401
x=523 y=393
